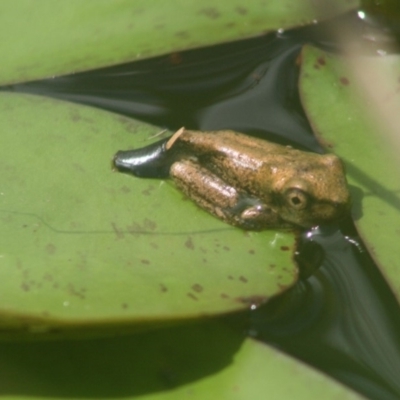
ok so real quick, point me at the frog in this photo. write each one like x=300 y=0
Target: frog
x=248 y=182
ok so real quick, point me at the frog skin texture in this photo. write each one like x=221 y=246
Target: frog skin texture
x=245 y=181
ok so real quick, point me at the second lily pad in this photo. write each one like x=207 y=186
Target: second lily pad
x=42 y=40
x=340 y=118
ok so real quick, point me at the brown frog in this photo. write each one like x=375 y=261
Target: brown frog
x=247 y=182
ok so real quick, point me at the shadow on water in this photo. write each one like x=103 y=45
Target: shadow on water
x=341 y=317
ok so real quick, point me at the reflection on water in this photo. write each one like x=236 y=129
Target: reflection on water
x=246 y=87
x=341 y=317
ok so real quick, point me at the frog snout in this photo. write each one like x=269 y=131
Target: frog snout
x=152 y=161
x=120 y=162
x=128 y=162
x=132 y=162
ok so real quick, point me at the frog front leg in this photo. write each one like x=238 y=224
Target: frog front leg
x=212 y=194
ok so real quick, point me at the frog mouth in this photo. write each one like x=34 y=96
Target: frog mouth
x=334 y=212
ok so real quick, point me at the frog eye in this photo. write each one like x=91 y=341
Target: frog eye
x=296 y=198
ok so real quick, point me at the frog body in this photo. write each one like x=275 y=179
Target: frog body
x=249 y=182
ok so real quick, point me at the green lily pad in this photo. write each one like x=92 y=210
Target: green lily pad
x=43 y=40
x=82 y=246
x=198 y=361
x=340 y=119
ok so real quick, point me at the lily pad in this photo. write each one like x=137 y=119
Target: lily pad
x=197 y=361
x=43 y=40
x=340 y=119
x=82 y=246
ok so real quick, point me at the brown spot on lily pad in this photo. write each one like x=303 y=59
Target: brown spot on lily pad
x=149 y=224
x=50 y=248
x=224 y=296
x=210 y=12
x=197 y=288
x=243 y=279
x=182 y=35
x=75 y=115
x=146 y=226
x=125 y=189
x=189 y=243
x=192 y=296
x=145 y=261
x=241 y=10
x=344 y=81
x=148 y=190
x=285 y=248
x=25 y=287
x=118 y=233
x=48 y=277
x=76 y=292
x=163 y=288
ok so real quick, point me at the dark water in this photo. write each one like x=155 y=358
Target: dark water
x=341 y=317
